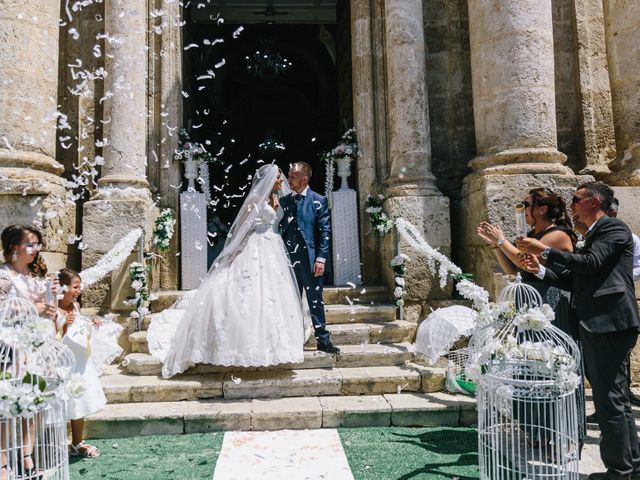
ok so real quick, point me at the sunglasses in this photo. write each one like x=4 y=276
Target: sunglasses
x=576 y=199
x=35 y=246
x=525 y=204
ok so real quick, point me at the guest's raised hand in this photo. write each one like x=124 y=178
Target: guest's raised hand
x=490 y=232
x=530 y=263
x=45 y=309
x=97 y=322
x=530 y=245
x=71 y=317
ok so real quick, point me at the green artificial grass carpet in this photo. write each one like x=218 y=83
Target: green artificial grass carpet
x=157 y=457
x=398 y=453
x=392 y=453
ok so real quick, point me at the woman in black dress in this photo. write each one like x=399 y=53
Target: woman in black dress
x=547 y=215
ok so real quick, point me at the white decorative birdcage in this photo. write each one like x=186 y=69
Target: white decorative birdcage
x=527 y=372
x=35 y=373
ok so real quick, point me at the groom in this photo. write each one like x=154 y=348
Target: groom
x=306 y=231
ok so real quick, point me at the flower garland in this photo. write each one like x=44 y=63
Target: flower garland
x=330 y=172
x=380 y=221
x=271 y=146
x=399 y=266
x=112 y=259
x=203 y=180
x=163 y=231
x=138 y=274
x=188 y=150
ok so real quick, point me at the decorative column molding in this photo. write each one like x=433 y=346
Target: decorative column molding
x=409 y=143
x=513 y=87
x=622 y=24
x=32 y=190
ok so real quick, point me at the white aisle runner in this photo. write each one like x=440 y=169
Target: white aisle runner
x=283 y=454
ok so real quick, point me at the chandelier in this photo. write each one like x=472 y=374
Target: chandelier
x=267 y=64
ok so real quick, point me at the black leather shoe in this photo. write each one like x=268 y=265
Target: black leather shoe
x=328 y=347
x=600 y=476
x=593 y=418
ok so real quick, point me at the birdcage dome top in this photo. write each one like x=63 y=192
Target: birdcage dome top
x=520 y=294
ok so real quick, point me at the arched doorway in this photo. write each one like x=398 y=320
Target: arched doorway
x=246 y=118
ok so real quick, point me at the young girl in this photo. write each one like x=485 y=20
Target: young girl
x=76 y=330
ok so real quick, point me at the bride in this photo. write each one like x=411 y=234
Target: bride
x=247 y=311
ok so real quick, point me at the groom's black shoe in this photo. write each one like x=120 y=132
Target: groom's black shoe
x=328 y=347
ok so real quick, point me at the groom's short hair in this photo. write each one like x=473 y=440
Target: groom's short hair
x=304 y=167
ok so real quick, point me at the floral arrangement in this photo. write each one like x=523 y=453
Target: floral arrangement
x=380 y=221
x=138 y=274
x=163 y=230
x=347 y=147
x=188 y=150
x=399 y=266
x=330 y=173
x=112 y=259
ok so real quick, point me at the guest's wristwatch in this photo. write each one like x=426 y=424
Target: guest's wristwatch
x=500 y=242
x=545 y=253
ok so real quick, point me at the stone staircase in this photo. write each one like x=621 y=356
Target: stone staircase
x=372 y=378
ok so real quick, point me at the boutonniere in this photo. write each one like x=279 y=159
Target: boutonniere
x=580 y=245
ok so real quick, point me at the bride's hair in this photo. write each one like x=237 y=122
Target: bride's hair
x=557 y=212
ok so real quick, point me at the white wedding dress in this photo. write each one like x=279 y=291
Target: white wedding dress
x=247 y=312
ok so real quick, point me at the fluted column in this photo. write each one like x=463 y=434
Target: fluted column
x=409 y=140
x=32 y=190
x=513 y=86
x=123 y=200
x=622 y=26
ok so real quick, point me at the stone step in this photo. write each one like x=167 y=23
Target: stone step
x=335 y=314
x=349 y=356
x=339 y=295
x=123 y=388
x=341 y=334
x=201 y=416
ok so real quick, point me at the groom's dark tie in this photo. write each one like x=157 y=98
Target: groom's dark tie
x=297 y=198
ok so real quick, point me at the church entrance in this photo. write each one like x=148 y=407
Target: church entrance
x=269 y=83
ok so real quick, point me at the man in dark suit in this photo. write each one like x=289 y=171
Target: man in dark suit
x=600 y=277
x=306 y=231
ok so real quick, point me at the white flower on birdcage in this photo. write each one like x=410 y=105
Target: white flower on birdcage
x=535 y=318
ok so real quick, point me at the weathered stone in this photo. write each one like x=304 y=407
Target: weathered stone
x=121 y=388
x=378 y=380
x=358 y=313
x=513 y=86
x=374 y=354
x=622 y=22
x=393 y=332
x=364 y=294
x=286 y=413
x=215 y=415
x=423 y=410
x=127 y=419
x=288 y=383
x=360 y=411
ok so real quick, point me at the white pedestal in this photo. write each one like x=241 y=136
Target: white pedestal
x=193 y=238
x=346 y=242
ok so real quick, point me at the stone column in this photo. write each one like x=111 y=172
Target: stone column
x=512 y=66
x=411 y=185
x=123 y=201
x=364 y=119
x=622 y=24
x=31 y=188
x=513 y=86
x=409 y=142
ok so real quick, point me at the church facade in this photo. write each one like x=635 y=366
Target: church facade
x=460 y=108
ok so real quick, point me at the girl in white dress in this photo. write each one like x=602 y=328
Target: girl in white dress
x=247 y=311
x=76 y=331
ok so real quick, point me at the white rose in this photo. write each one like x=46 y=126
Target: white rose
x=398 y=292
x=136 y=284
x=76 y=386
x=400 y=281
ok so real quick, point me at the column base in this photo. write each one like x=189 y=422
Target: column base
x=36 y=198
x=521 y=161
x=625 y=170
x=106 y=219
x=492 y=198
x=431 y=215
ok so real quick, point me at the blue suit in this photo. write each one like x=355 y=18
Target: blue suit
x=306 y=231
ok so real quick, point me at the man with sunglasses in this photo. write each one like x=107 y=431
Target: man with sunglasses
x=601 y=281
